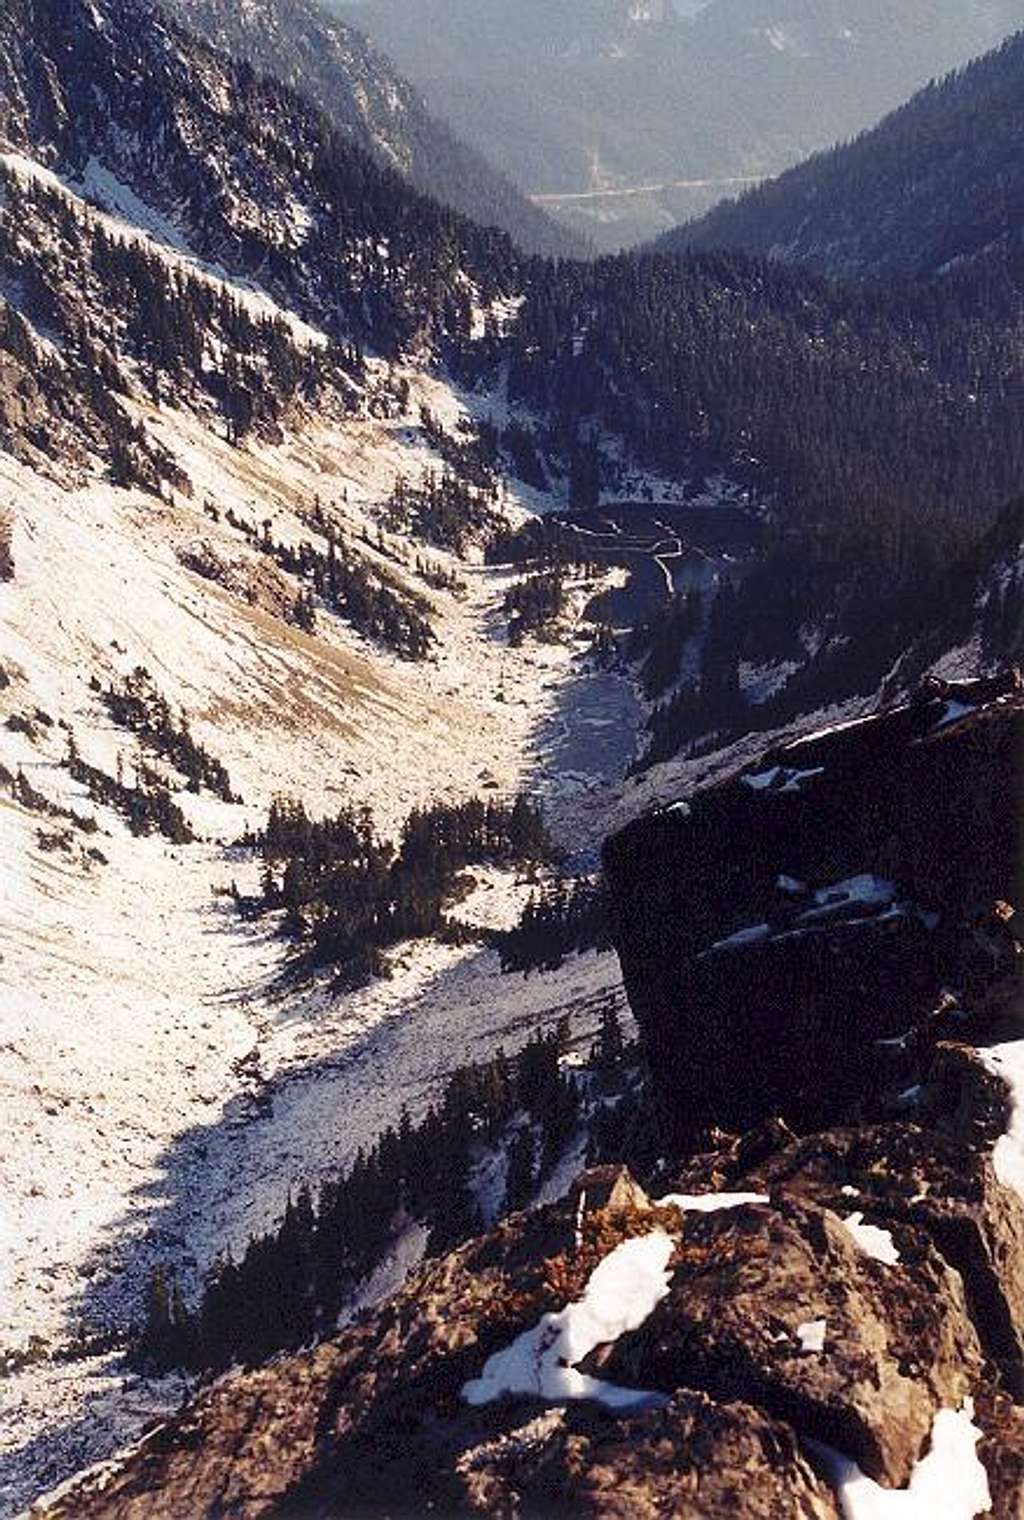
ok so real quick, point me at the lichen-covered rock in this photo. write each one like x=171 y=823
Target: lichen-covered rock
x=894 y=1343
x=1001 y=1449
x=925 y=1183
x=692 y=1460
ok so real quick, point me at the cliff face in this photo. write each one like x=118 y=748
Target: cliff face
x=780 y=932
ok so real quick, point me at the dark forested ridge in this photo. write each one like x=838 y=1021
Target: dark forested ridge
x=250 y=174
x=825 y=399
x=880 y=431
x=938 y=182
x=205 y=155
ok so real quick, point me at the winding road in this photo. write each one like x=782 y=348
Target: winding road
x=568 y=197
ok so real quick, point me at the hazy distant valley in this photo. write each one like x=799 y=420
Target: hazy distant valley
x=622 y=119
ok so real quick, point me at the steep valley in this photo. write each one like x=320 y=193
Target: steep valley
x=510 y=930
x=164 y=1088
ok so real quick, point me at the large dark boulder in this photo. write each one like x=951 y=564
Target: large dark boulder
x=773 y=929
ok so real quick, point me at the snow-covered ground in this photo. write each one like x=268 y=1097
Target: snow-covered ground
x=1007 y=1062
x=161 y=1090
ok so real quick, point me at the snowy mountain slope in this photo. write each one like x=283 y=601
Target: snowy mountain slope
x=222 y=343
x=144 y=1033
x=251 y=175
x=331 y=63
x=165 y=1089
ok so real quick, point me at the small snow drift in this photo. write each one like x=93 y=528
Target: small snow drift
x=950 y=1481
x=872 y=1240
x=1007 y=1062
x=811 y=1336
x=781 y=779
x=710 y=1203
x=622 y=1293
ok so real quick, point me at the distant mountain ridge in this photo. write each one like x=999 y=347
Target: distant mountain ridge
x=595 y=96
x=937 y=183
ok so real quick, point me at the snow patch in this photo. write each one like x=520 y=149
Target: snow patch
x=1007 y=1062
x=950 y=1481
x=844 y=726
x=953 y=712
x=779 y=779
x=753 y=934
x=872 y=1240
x=865 y=890
x=812 y=1336
x=761 y=682
x=710 y=1203
x=623 y=1291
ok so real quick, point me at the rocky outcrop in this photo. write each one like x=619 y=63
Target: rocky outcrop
x=897 y=1344
x=858 y=1281
x=778 y=1330
x=786 y=934
x=922 y=1183
x=693 y=1459
x=375 y=1424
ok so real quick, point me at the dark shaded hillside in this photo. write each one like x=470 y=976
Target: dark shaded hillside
x=880 y=433
x=251 y=174
x=759 y=925
x=937 y=183
x=790 y=382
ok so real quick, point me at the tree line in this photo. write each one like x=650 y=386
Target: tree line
x=560 y=919
x=290 y=1285
x=346 y=895
x=137 y=705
